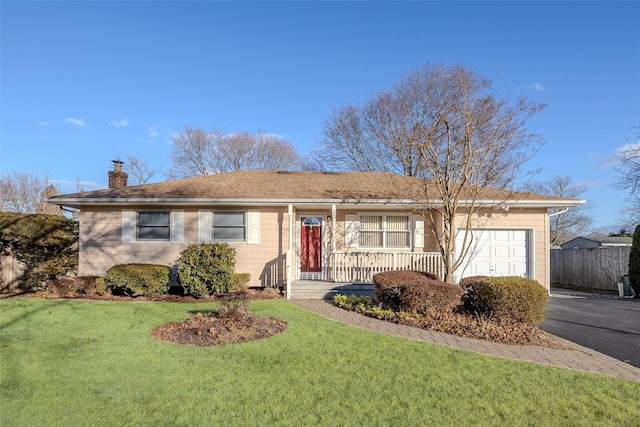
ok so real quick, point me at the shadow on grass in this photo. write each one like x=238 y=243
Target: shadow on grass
x=27 y=314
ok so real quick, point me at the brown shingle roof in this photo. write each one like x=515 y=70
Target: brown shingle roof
x=288 y=185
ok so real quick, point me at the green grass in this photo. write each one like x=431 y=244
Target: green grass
x=81 y=363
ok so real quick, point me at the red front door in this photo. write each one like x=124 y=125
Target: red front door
x=310 y=244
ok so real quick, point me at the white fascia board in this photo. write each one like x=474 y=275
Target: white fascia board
x=550 y=204
x=229 y=202
x=77 y=202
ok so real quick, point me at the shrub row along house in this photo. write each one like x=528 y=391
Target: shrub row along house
x=289 y=228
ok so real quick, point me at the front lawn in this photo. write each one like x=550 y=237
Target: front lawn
x=71 y=362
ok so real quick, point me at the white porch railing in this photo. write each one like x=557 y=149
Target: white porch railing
x=361 y=266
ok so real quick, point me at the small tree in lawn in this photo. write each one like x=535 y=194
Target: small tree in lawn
x=634 y=262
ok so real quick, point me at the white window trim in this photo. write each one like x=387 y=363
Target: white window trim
x=130 y=226
x=252 y=226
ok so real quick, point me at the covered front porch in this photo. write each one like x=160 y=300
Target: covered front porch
x=351 y=273
x=339 y=248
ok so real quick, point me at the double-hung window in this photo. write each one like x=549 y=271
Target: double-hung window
x=229 y=227
x=385 y=231
x=152 y=226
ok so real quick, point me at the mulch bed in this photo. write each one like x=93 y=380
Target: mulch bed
x=231 y=323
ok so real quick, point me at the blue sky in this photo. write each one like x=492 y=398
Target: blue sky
x=83 y=82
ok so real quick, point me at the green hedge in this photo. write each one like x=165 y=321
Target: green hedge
x=149 y=280
x=516 y=298
x=207 y=268
x=45 y=244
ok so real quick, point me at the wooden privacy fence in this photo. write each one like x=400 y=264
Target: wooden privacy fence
x=599 y=268
x=10 y=274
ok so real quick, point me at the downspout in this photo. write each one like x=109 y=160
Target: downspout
x=560 y=212
x=548 y=225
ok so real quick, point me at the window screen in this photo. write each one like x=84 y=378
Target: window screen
x=385 y=231
x=229 y=227
x=398 y=231
x=371 y=233
x=153 y=225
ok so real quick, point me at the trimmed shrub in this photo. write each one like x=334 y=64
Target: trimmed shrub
x=415 y=291
x=62 y=287
x=101 y=287
x=86 y=285
x=428 y=275
x=469 y=302
x=147 y=280
x=241 y=281
x=73 y=286
x=426 y=294
x=471 y=281
x=207 y=268
x=516 y=298
x=634 y=262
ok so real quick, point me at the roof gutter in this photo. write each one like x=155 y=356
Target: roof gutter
x=194 y=201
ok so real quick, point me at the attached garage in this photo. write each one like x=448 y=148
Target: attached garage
x=497 y=252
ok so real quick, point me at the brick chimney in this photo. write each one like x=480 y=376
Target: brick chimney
x=117 y=178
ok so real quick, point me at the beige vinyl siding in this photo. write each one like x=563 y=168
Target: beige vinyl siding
x=266 y=261
x=101 y=244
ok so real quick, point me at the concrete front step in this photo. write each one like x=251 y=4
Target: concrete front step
x=327 y=290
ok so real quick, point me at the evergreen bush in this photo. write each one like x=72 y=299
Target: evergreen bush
x=46 y=245
x=516 y=298
x=149 y=280
x=207 y=268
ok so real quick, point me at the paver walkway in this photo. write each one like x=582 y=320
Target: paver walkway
x=575 y=357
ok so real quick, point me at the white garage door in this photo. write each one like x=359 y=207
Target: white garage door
x=496 y=252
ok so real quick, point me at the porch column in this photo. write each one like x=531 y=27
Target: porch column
x=290 y=261
x=333 y=242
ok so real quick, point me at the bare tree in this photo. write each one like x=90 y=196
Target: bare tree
x=25 y=192
x=234 y=151
x=629 y=180
x=138 y=169
x=444 y=124
x=576 y=221
x=197 y=152
x=194 y=153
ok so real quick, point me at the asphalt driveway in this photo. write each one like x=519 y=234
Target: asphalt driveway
x=609 y=326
